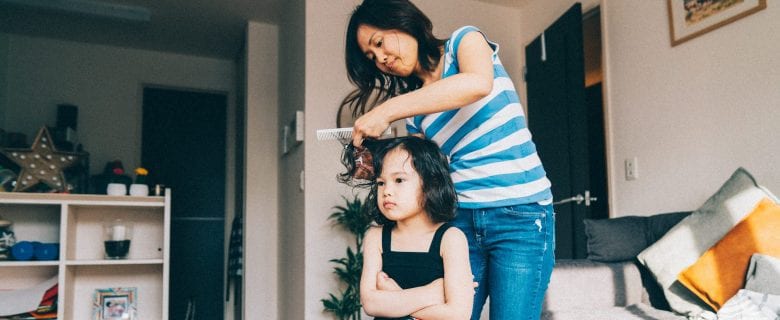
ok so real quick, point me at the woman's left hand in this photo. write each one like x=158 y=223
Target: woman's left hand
x=370 y=125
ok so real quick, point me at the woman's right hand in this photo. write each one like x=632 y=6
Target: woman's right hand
x=370 y=125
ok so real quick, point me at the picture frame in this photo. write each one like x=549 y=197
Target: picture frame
x=689 y=19
x=115 y=304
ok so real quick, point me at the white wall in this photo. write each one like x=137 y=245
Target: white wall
x=692 y=113
x=326 y=85
x=292 y=221
x=261 y=184
x=105 y=83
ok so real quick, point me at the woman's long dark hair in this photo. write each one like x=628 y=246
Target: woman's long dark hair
x=439 y=198
x=399 y=15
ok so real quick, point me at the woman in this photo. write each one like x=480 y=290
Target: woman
x=457 y=93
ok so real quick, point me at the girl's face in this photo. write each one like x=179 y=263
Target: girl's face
x=399 y=187
x=393 y=52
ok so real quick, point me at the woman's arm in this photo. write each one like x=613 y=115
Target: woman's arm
x=458 y=285
x=384 y=303
x=473 y=82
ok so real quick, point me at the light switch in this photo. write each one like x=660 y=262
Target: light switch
x=632 y=169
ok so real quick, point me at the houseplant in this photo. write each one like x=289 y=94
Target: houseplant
x=139 y=188
x=353 y=217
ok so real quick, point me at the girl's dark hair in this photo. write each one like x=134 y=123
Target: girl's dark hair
x=439 y=198
x=399 y=15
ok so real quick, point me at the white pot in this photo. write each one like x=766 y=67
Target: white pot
x=116 y=189
x=139 y=190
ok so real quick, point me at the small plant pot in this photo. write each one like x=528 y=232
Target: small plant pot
x=116 y=189
x=139 y=190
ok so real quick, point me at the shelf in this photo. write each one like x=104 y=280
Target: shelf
x=82 y=199
x=13 y=263
x=76 y=222
x=113 y=262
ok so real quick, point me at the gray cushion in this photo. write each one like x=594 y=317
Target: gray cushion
x=618 y=239
x=623 y=238
x=639 y=311
x=687 y=240
x=763 y=274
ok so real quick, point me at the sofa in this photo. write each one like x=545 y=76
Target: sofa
x=611 y=283
x=718 y=262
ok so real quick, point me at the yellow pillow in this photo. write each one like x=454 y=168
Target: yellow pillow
x=720 y=272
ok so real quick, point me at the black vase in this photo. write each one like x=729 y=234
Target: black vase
x=117 y=249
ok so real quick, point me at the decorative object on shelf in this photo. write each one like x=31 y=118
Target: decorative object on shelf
x=46 y=251
x=116 y=238
x=690 y=18
x=118 y=180
x=159 y=190
x=7 y=178
x=140 y=188
x=42 y=163
x=7 y=239
x=116 y=189
x=29 y=250
x=23 y=251
x=115 y=304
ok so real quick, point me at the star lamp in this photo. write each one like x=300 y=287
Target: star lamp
x=42 y=163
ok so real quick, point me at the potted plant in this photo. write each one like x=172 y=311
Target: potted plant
x=118 y=180
x=139 y=188
x=354 y=218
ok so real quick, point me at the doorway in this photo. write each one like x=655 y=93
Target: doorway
x=566 y=118
x=183 y=146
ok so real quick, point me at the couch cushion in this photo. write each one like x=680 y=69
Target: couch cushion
x=720 y=272
x=617 y=239
x=763 y=274
x=583 y=283
x=623 y=238
x=638 y=311
x=687 y=240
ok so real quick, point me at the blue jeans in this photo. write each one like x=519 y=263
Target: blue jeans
x=512 y=253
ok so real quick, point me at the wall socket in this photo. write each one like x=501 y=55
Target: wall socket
x=632 y=169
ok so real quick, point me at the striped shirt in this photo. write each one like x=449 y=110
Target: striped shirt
x=493 y=161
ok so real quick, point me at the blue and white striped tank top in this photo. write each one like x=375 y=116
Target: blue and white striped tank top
x=492 y=158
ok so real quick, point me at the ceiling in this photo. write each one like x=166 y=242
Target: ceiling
x=209 y=28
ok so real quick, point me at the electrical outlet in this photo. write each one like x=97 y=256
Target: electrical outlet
x=632 y=169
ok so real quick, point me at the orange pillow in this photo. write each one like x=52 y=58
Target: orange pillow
x=720 y=272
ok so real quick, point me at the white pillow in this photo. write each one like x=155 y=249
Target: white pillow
x=690 y=238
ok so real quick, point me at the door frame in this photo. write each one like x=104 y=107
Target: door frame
x=609 y=147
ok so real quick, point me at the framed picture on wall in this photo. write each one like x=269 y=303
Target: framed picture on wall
x=115 y=304
x=691 y=18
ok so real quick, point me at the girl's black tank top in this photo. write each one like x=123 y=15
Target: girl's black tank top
x=412 y=269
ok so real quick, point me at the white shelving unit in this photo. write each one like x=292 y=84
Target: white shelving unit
x=76 y=222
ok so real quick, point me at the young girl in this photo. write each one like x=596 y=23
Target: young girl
x=458 y=94
x=414 y=264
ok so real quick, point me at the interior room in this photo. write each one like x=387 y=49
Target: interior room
x=680 y=116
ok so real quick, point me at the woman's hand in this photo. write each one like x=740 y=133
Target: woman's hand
x=370 y=125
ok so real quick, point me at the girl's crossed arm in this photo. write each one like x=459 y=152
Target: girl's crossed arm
x=384 y=303
x=458 y=285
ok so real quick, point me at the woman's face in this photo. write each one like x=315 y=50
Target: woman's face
x=393 y=52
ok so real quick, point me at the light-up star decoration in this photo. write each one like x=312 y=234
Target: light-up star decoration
x=41 y=163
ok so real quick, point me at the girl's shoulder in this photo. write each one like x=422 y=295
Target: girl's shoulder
x=453 y=240
x=453 y=233
x=374 y=231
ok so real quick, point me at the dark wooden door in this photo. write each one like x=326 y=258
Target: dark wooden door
x=183 y=146
x=559 y=119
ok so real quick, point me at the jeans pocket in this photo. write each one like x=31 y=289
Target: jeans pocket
x=535 y=211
